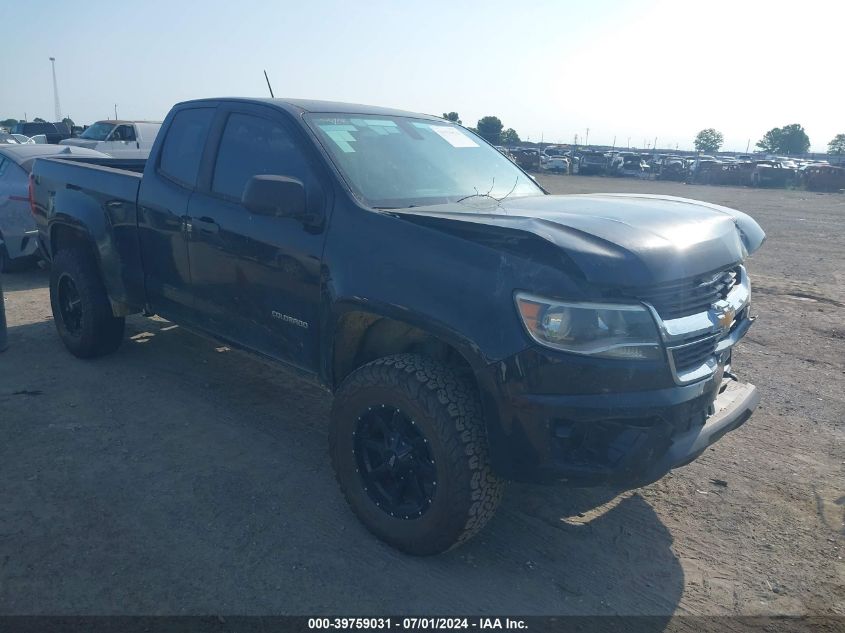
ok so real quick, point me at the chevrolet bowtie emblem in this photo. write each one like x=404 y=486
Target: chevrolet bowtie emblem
x=724 y=314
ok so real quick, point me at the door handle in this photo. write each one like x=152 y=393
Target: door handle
x=206 y=224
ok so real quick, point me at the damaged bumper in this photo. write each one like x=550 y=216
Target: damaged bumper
x=618 y=439
x=593 y=421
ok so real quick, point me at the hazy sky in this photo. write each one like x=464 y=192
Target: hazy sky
x=637 y=69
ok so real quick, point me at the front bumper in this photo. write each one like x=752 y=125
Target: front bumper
x=732 y=408
x=592 y=421
x=625 y=439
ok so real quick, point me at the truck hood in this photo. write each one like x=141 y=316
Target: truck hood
x=613 y=239
x=79 y=142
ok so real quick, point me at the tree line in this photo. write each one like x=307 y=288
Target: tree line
x=9 y=123
x=490 y=128
x=789 y=139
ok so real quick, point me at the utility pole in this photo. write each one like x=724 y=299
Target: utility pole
x=56 y=90
x=115 y=112
x=747 y=145
x=587 y=138
x=629 y=142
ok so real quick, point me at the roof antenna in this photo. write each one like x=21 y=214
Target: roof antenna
x=272 y=96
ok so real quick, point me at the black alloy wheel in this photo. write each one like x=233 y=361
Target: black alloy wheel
x=81 y=308
x=70 y=305
x=409 y=449
x=395 y=462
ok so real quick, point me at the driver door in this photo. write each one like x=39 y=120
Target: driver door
x=256 y=278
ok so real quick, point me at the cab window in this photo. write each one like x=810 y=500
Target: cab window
x=123 y=133
x=251 y=146
x=183 y=147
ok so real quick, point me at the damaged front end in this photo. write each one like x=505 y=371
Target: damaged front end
x=626 y=410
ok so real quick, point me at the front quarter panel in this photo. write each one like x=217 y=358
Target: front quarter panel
x=459 y=290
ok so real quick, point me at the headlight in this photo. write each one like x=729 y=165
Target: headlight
x=607 y=330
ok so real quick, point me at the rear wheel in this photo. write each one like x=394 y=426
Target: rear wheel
x=81 y=308
x=409 y=450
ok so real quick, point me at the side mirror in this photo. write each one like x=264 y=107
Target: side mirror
x=275 y=195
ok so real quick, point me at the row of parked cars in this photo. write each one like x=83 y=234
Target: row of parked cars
x=121 y=139
x=27 y=141
x=749 y=170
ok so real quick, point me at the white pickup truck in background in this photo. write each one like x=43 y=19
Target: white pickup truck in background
x=121 y=139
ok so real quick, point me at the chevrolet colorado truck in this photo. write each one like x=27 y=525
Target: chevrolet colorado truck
x=472 y=328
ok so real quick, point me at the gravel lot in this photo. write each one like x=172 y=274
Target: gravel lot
x=177 y=476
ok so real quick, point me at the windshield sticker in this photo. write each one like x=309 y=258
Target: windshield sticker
x=341 y=136
x=379 y=126
x=453 y=136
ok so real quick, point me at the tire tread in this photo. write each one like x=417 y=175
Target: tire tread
x=453 y=405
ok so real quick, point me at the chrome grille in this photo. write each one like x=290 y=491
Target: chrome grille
x=689 y=296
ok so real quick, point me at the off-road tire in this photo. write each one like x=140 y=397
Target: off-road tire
x=447 y=410
x=100 y=332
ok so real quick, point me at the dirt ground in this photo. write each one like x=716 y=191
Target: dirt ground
x=178 y=477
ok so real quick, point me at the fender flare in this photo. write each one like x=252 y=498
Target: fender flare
x=101 y=243
x=341 y=308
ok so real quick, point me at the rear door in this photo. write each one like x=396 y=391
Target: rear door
x=166 y=189
x=256 y=278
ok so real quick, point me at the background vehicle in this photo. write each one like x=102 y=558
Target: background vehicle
x=526 y=157
x=18 y=233
x=731 y=173
x=630 y=165
x=785 y=161
x=8 y=139
x=524 y=349
x=556 y=163
x=823 y=178
x=671 y=168
x=122 y=139
x=588 y=162
x=53 y=132
x=770 y=173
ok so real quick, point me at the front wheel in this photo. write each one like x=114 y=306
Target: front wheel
x=409 y=450
x=81 y=308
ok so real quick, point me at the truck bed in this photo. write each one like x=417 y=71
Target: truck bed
x=101 y=197
x=122 y=164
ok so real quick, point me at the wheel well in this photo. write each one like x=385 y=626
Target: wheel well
x=361 y=337
x=63 y=236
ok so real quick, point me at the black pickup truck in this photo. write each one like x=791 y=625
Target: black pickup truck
x=471 y=327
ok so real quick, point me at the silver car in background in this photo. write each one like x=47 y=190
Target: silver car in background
x=18 y=235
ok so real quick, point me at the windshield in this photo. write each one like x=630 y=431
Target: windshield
x=97 y=132
x=395 y=162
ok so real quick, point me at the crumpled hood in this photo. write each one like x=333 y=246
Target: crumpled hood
x=80 y=142
x=615 y=239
